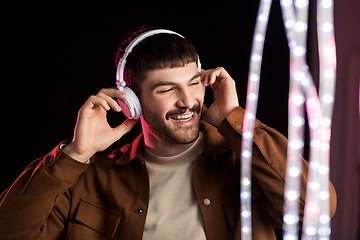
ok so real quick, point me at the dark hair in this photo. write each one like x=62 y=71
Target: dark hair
x=156 y=52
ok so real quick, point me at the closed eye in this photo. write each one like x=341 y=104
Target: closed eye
x=164 y=90
x=194 y=83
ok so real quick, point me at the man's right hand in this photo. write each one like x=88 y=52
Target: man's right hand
x=92 y=131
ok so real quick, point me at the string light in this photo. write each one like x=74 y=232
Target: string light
x=250 y=113
x=296 y=35
x=319 y=114
x=320 y=220
x=319 y=109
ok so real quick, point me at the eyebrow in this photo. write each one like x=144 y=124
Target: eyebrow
x=169 y=83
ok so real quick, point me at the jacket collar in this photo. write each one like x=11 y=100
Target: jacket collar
x=213 y=143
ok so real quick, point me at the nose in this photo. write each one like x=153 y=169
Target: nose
x=186 y=99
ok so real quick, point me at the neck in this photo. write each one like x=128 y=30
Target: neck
x=161 y=147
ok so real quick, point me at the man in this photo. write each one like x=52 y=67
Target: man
x=178 y=180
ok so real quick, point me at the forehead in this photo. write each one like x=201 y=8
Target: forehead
x=177 y=75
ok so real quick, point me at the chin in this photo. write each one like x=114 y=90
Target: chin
x=182 y=136
x=185 y=140
x=172 y=131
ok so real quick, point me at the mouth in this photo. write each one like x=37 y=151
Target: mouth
x=183 y=117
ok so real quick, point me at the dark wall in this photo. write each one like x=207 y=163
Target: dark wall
x=58 y=54
x=55 y=55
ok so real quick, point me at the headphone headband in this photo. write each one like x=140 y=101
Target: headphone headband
x=121 y=65
x=144 y=35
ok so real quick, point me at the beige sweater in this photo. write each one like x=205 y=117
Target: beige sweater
x=173 y=210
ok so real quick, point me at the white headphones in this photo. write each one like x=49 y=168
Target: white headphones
x=130 y=105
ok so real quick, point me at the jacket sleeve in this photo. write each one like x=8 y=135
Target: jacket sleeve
x=269 y=163
x=30 y=202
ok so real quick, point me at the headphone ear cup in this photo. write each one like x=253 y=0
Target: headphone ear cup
x=130 y=105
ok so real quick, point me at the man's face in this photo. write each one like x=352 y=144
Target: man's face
x=172 y=100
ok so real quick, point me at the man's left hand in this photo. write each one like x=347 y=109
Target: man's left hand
x=225 y=95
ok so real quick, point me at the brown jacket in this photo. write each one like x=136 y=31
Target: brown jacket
x=57 y=197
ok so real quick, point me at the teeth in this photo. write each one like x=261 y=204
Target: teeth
x=183 y=118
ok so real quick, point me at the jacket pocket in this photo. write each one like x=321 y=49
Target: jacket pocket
x=232 y=209
x=98 y=218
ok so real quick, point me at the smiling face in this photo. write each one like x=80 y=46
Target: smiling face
x=172 y=99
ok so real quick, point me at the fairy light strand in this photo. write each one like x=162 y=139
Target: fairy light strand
x=249 y=119
x=302 y=92
x=316 y=219
x=296 y=29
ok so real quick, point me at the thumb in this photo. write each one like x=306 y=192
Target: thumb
x=125 y=127
x=211 y=115
x=204 y=112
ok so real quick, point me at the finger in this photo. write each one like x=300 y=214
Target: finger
x=125 y=127
x=211 y=76
x=205 y=77
x=113 y=93
x=95 y=101
x=110 y=101
x=216 y=76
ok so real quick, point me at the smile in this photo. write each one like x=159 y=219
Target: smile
x=183 y=118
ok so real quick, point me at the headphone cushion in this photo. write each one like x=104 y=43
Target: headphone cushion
x=130 y=105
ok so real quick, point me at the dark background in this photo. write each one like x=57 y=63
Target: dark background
x=59 y=54
x=56 y=54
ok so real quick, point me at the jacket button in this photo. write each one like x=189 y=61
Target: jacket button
x=138 y=211
x=207 y=202
x=238 y=124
